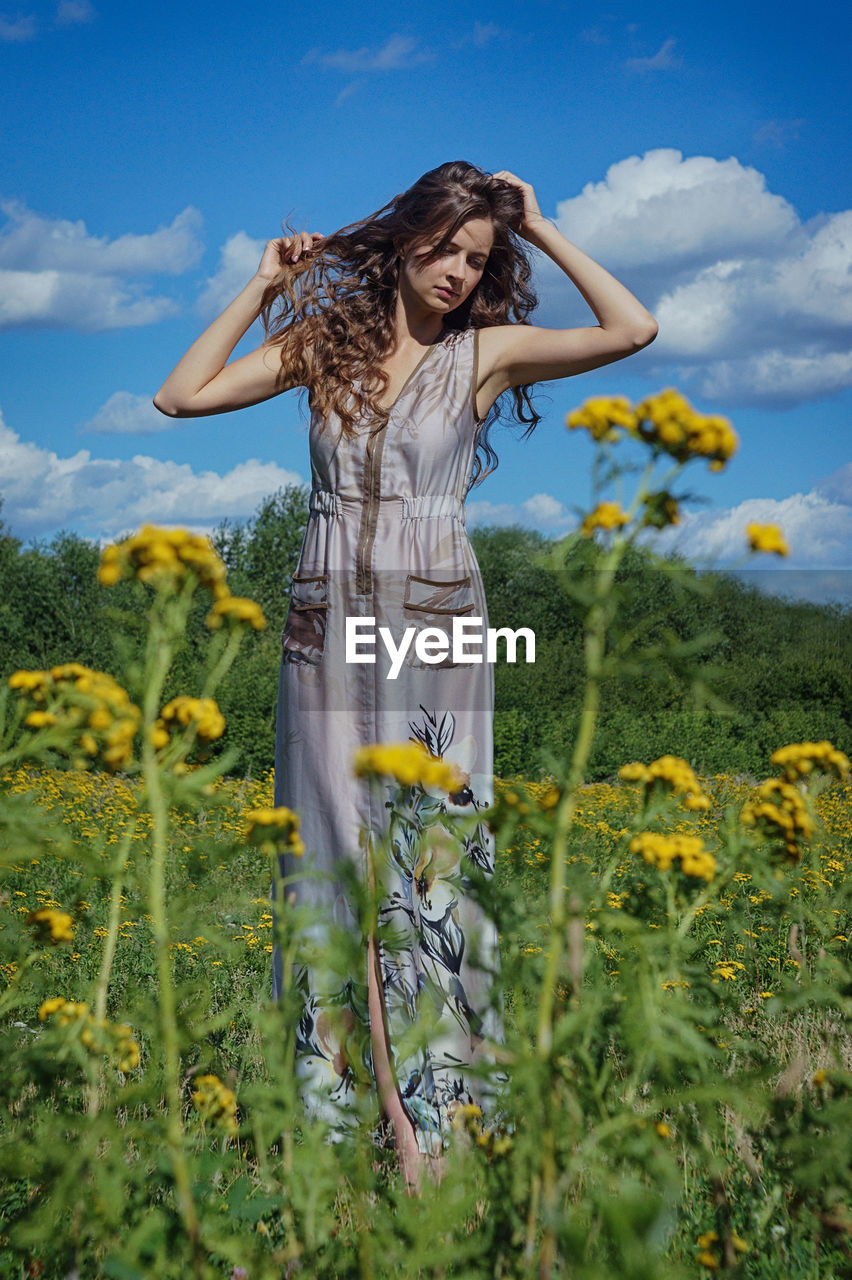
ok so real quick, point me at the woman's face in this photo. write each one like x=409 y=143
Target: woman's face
x=444 y=284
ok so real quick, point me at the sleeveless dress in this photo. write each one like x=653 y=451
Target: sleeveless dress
x=386 y=541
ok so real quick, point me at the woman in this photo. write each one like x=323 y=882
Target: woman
x=406 y=328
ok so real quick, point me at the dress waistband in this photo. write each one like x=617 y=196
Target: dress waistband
x=423 y=506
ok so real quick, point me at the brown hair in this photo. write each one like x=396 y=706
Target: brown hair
x=333 y=312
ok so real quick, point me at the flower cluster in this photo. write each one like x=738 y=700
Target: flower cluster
x=669 y=423
x=93 y=711
x=409 y=764
x=780 y=814
x=801 y=758
x=50 y=925
x=200 y=714
x=666 y=421
x=275 y=830
x=163 y=557
x=235 y=610
x=707 y=1258
x=606 y=515
x=99 y=1037
x=661 y=509
x=602 y=416
x=215 y=1102
x=467 y=1118
x=767 y=537
x=661 y=851
x=669 y=774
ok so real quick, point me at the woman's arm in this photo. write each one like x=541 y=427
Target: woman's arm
x=512 y=355
x=202 y=382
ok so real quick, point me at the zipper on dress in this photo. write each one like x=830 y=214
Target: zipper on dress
x=367 y=532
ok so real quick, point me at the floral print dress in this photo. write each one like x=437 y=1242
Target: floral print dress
x=386 y=541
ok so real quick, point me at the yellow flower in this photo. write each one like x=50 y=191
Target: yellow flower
x=661 y=851
x=235 y=609
x=667 y=774
x=801 y=758
x=779 y=813
x=410 y=764
x=276 y=830
x=668 y=422
x=767 y=537
x=663 y=1129
x=215 y=1102
x=201 y=714
x=606 y=515
x=28 y=681
x=163 y=558
x=51 y=926
x=90 y=706
x=40 y=719
x=602 y=416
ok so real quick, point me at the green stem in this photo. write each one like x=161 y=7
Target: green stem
x=167 y=620
x=226 y=661
x=595 y=651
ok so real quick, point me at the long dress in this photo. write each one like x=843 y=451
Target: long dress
x=386 y=540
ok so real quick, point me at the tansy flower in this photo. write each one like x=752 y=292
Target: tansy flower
x=215 y=1102
x=606 y=515
x=201 y=714
x=275 y=830
x=800 y=758
x=235 y=610
x=602 y=416
x=667 y=774
x=669 y=423
x=52 y=926
x=779 y=813
x=410 y=764
x=94 y=710
x=661 y=851
x=767 y=537
x=163 y=558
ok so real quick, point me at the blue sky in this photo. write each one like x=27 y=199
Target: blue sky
x=697 y=151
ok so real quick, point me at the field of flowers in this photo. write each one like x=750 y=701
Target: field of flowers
x=675 y=1084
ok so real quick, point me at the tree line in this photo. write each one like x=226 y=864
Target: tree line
x=703 y=666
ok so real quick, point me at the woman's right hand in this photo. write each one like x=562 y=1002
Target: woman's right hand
x=285 y=250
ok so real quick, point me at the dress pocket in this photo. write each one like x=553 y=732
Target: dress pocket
x=432 y=602
x=303 y=637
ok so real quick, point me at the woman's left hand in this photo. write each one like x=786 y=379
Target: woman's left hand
x=532 y=215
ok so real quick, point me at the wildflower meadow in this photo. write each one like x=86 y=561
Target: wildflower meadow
x=673 y=1096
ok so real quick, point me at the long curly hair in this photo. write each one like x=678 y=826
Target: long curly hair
x=333 y=312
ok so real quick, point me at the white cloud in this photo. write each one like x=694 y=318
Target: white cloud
x=663 y=60
x=73 y=12
x=54 y=273
x=33 y=242
x=103 y=497
x=754 y=306
x=660 y=209
x=238 y=260
x=397 y=53
x=484 y=512
x=547 y=513
x=817 y=528
x=17 y=30
x=542 y=511
x=127 y=414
